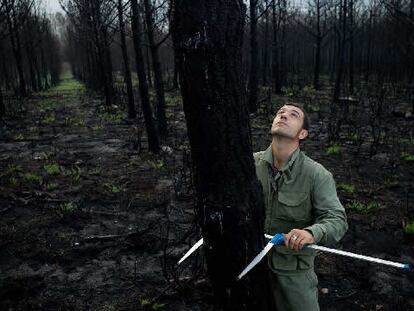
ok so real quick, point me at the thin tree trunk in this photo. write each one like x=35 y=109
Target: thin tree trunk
x=275 y=52
x=367 y=70
x=148 y=69
x=318 y=46
x=2 y=106
x=127 y=72
x=207 y=39
x=156 y=66
x=153 y=142
x=175 y=79
x=266 y=46
x=351 y=47
x=341 y=51
x=254 y=58
x=283 y=44
x=15 y=42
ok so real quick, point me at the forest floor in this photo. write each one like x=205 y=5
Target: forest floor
x=89 y=220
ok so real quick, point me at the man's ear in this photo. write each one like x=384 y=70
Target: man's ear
x=303 y=134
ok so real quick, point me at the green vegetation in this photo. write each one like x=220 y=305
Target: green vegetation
x=409 y=228
x=407 y=156
x=108 y=307
x=95 y=171
x=68 y=208
x=52 y=186
x=112 y=188
x=333 y=149
x=113 y=117
x=146 y=304
x=172 y=101
x=348 y=188
x=12 y=169
x=75 y=173
x=49 y=119
x=68 y=86
x=29 y=177
x=19 y=137
x=156 y=164
x=53 y=168
x=363 y=208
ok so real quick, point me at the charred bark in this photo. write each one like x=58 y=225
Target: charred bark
x=156 y=66
x=207 y=39
x=153 y=141
x=127 y=72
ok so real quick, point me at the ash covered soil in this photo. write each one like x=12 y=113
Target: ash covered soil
x=90 y=220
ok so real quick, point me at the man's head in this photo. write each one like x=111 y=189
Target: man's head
x=291 y=121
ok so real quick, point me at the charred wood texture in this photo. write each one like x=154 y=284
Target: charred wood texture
x=207 y=39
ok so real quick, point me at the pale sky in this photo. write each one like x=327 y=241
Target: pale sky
x=52 y=6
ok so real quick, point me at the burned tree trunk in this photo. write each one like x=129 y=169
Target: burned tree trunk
x=153 y=142
x=254 y=58
x=127 y=72
x=341 y=51
x=156 y=66
x=207 y=42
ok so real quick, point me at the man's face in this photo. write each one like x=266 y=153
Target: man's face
x=288 y=123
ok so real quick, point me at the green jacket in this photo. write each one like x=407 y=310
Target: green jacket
x=302 y=195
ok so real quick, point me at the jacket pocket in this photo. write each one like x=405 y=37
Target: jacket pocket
x=294 y=206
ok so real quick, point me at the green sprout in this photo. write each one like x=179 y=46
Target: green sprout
x=409 y=228
x=333 y=149
x=348 y=188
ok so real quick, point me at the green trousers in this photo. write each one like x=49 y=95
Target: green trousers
x=295 y=290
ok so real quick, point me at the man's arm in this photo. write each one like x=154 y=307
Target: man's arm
x=330 y=222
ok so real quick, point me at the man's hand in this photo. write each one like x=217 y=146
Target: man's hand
x=297 y=238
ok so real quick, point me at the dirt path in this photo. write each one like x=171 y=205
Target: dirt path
x=91 y=221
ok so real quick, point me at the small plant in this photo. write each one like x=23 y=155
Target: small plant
x=19 y=136
x=356 y=206
x=13 y=181
x=12 y=169
x=68 y=208
x=389 y=183
x=407 y=156
x=333 y=149
x=157 y=164
x=75 y=173
x=115 y=118
x=146 y=304
x=53 y=168
x=348 y=188
x=97 y=127
x=112 y=188
x=49 y=120
x=95 y=171
x=52 y=186
x=29 y=177
x=409 y=228
x=364 y=208
x=109 y=307
x=374 y=206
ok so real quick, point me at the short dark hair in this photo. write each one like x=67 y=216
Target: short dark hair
x=306 y=119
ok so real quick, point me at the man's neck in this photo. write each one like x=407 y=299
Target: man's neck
x=282 y=149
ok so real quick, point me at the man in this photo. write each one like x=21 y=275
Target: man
x=301 y=202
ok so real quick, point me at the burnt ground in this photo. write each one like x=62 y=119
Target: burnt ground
x=91 y=221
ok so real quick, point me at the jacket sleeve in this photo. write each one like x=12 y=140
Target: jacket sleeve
x=330 y=222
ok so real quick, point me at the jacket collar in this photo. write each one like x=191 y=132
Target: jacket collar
x=288 y=169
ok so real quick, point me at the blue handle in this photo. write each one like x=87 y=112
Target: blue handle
x=278 y=239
